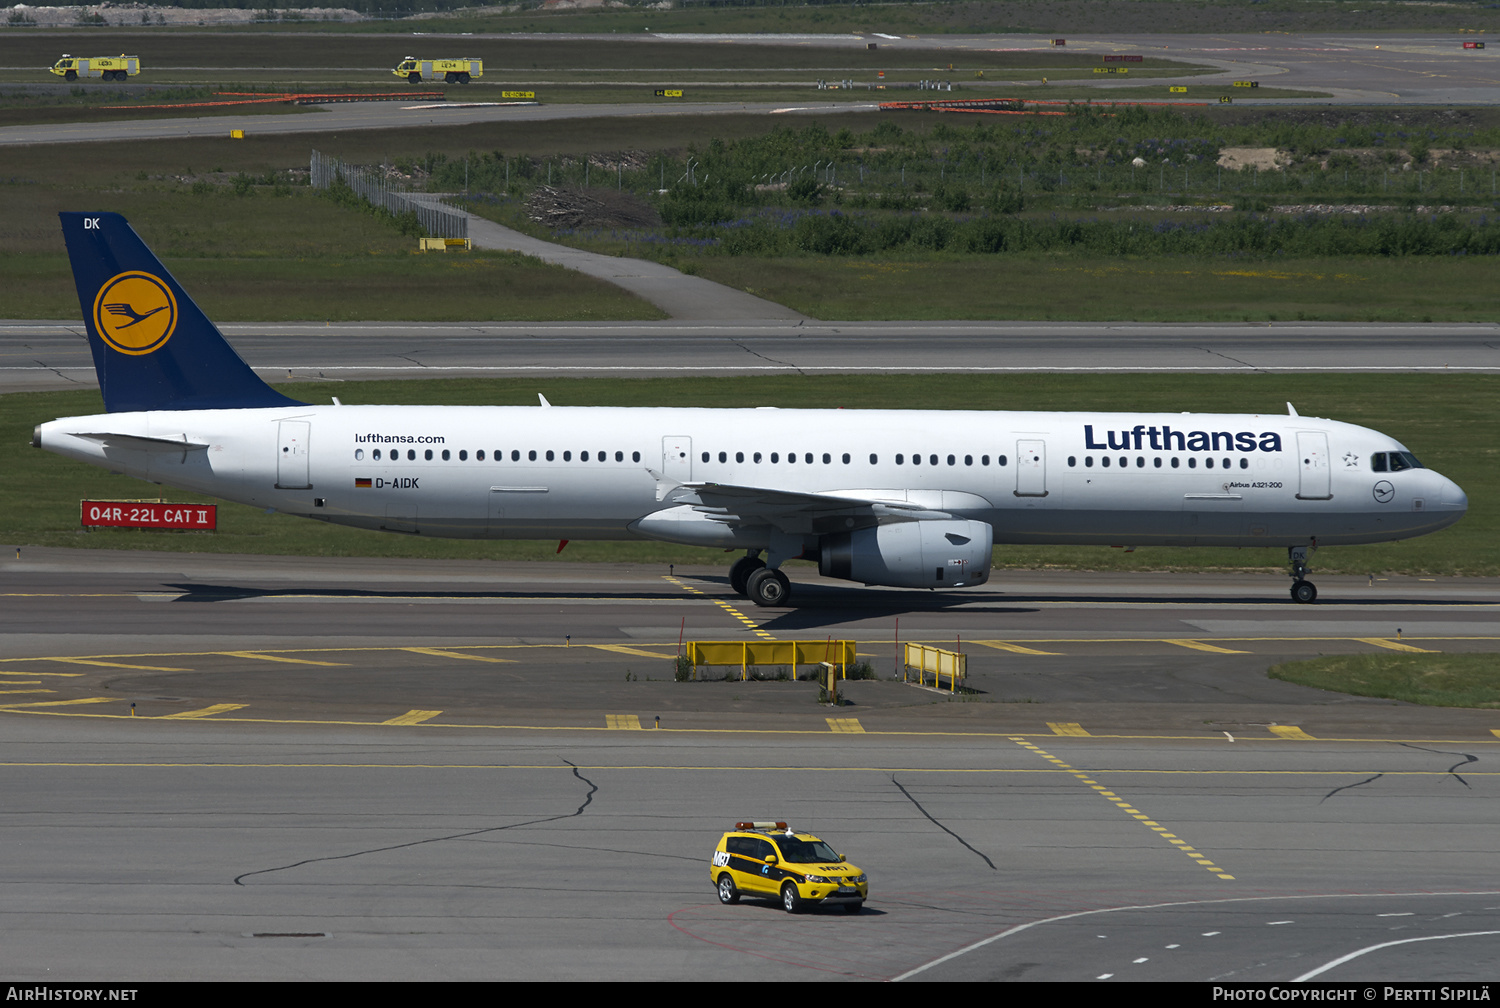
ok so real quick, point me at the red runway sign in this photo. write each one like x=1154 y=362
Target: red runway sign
x=150 y=515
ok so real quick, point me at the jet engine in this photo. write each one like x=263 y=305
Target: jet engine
x=949 y=553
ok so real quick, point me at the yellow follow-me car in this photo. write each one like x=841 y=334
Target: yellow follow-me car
x=768 y=859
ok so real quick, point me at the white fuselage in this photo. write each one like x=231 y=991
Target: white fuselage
x=601 y=472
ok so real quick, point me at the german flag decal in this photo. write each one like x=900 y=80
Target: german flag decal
x=361 y=481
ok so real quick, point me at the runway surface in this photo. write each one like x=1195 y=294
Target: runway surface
x=1352 y=69
x=54 y=354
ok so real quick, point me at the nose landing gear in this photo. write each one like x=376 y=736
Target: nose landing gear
x=1303 y=590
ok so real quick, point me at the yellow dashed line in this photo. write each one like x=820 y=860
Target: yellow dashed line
x=845 y=724
x=413 y=717
x=629 y=722
x=218 y=708
x=750 y=624
x=61 y=703
x=27 y=691
x=440 y=653
x=1013 y=648
x=1126 y=807
x=259 y=656
x=1391 y=645
x=1200 y=646
x=1287 y=731
x=1066 y=728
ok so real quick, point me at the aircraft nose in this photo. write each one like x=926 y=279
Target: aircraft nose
x=1453 y=497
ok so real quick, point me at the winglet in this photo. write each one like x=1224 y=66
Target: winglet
x=153 y=348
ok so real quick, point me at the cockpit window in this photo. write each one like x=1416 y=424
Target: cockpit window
x=1394 y=462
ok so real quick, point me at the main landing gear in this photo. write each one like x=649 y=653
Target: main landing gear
x=1303 y=590
x=750 y=577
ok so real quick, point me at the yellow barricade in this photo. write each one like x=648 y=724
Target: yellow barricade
x=747 y=653
x=953 y=664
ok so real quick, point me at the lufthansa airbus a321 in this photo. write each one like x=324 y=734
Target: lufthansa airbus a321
x=907 y=498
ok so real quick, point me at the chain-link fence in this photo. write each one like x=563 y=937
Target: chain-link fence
x=438 y=220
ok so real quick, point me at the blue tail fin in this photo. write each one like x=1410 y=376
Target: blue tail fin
x=153 y=348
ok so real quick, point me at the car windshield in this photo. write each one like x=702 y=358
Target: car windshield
x=797 y=851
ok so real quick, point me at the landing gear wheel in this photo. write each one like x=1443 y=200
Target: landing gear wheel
x=768 y=587
x=791 y=900
x=1304 y=592
x=727 y=892
x=740 y=571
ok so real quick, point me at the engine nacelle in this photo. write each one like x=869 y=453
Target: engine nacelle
x=916 y=554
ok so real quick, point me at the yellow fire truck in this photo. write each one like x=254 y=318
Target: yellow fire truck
x=453 y=71
x=111 y=68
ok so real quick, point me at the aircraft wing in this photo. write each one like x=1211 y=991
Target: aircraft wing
x=793 y=511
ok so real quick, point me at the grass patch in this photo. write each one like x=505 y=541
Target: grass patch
x=1167 y=289
x=284 y=254
x=1458 y=441
x=1433 y=680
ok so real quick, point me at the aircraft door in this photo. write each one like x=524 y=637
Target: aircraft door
x=1031 y=468
x=677 y=458
x=1314 y=481
x=292 y=457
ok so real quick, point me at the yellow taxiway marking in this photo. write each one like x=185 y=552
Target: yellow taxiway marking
x=626 y=649
x=1391 y=645
x=59 y=703
x=440 y=653
x=845 y=724
x=1200 y=646
x=1127 y=808
x=749 y=623
x=261 y=656
x=218 y=708
x=629 y=722
x=27 y=690
x=413 y=717
x=110 y=664
x=1066 y=728
x=1013 y=648
x=1287 y=731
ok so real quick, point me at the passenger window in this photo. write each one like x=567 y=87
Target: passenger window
x=411 y=454
x=445 y=456
x=635 y=456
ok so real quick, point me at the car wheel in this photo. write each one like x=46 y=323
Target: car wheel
x=727 y=892
x=791 y=900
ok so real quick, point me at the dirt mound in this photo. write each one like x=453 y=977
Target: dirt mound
x=589 y=208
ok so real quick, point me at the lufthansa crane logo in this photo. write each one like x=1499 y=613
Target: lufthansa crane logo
x=135 y=312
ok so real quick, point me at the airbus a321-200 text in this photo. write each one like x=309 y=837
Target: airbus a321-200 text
x=905 y=498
